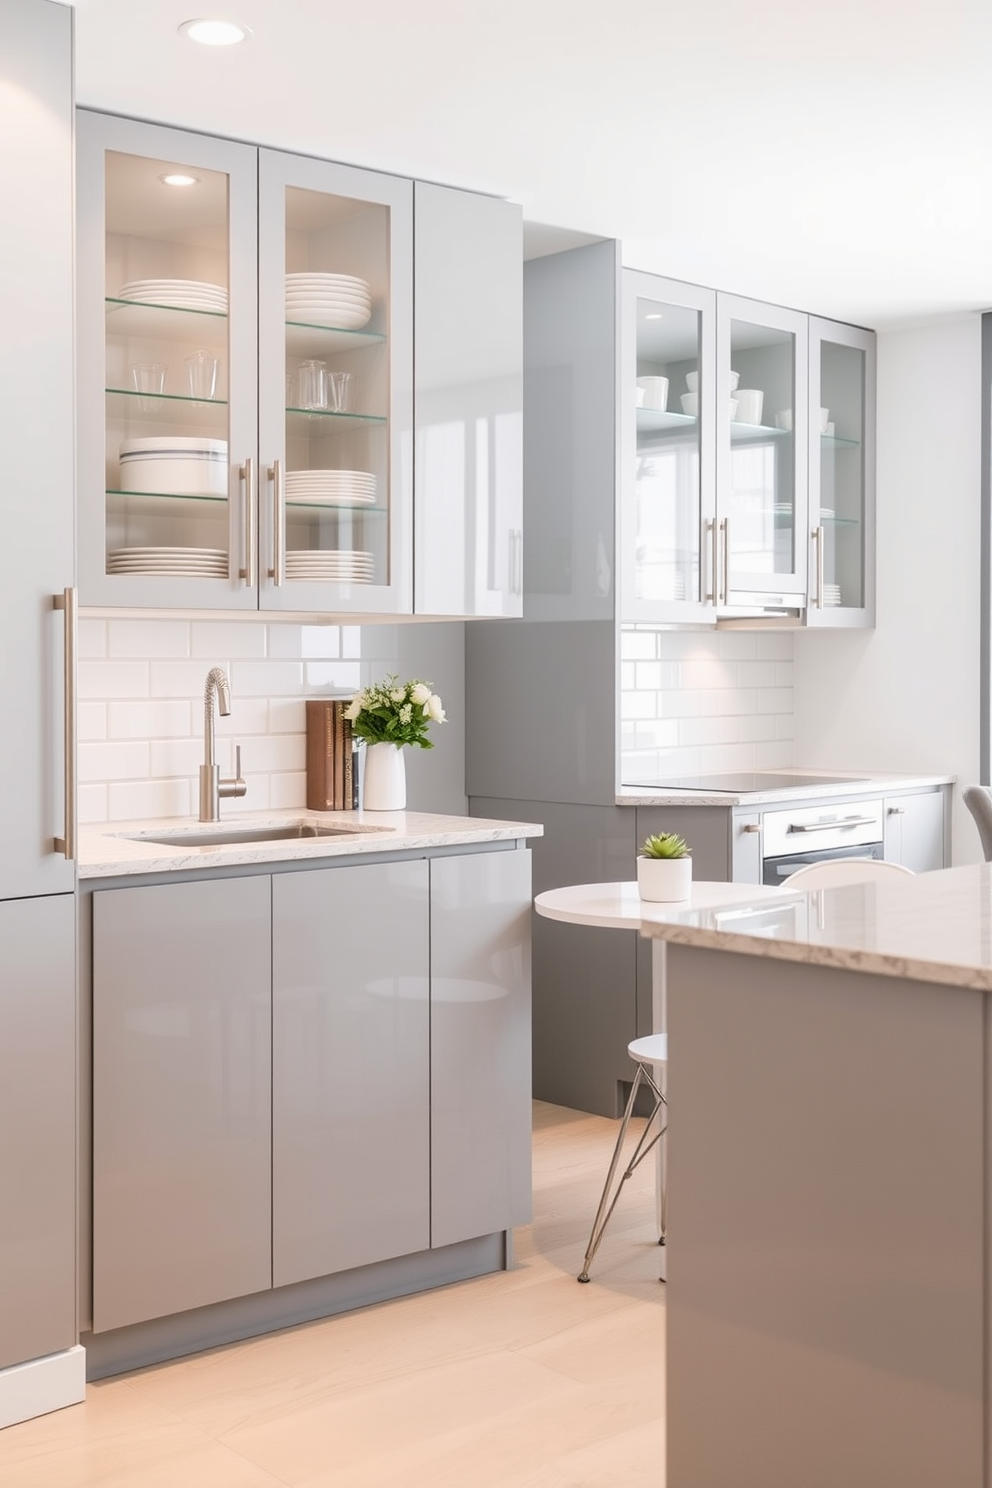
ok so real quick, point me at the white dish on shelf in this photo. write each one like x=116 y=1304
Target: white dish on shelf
x=334 y=320
x=181 y=465
x=346 y=302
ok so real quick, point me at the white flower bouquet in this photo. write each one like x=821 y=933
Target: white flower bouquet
x=393 y=712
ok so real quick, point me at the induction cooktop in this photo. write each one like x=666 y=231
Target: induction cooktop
x=742 y=782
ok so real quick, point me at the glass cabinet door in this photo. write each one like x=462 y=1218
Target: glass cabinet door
x=335 y=387
x=666 y=424
x=761 y=413
x=841 y=475
x=167 y=359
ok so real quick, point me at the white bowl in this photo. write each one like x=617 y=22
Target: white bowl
x=690 y=403
x=692 y=381
x=655 y=392
x=783 y=420
x=175 y=466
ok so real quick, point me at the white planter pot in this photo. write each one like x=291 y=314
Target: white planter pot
x=664 y=880
x=384 y=778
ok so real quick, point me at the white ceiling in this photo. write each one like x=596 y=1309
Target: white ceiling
x=835 y=156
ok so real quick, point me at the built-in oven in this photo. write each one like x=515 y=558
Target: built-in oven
x=811 y=833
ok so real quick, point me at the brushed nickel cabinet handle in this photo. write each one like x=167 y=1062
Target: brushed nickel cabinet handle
x=68 y=604
x=712 y=533
x=277 y=572
x=897 y=811
x=751 y=827
x=725 y=530
x=249 y=540
x=818 y=539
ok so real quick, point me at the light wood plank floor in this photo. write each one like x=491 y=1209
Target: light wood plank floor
x=522 y=1379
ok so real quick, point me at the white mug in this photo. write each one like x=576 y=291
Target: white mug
x=749 y=402
x=655 y=392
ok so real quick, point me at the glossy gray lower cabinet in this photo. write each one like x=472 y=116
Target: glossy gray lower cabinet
x=351 y=1067
x=914 y=831
x=480 y=1044
x=37 y=1127
x=182 y=1097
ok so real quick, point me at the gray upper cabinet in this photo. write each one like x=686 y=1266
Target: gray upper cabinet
x=246 y=383
x=181 y=1097
x=468 y=299
x=36 y=395
x=480 y=1044
x=351 y=1067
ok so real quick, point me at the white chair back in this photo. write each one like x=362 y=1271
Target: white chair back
x=830 y=872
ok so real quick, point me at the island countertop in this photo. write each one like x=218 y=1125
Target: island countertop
x=117 y=849
x=804 y=788
x=934 y=927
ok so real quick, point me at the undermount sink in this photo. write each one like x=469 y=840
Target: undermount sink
x=231 y=836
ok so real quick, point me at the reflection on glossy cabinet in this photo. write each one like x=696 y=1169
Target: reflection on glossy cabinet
x=351 y=1067
x=468 y=314
x=480 y=1044
x=182 y=1097
x=37 y=1127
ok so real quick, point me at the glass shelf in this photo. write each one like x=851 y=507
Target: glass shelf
x=300 y=508
x=299 y=419
x=135 y=318
x=151 y=496
x=653 y=421
x=755 y=433
x=303 y=339
x=834 y=441
x=164 y=408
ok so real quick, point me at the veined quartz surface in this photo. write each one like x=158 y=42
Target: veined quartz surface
x=111 y=851
x=858 y=785
x=934 y=927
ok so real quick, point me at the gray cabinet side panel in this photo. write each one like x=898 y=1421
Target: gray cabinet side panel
x=913 y=829
x=584 y=992
x=539 y=702
x=36 y=432
x=351 y=1062
x=182 y=1097
x=571 y=315
x=37 y=1127
x=468 y=402
x=480 y=1044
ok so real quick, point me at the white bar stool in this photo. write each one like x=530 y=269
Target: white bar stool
x=649 y=1054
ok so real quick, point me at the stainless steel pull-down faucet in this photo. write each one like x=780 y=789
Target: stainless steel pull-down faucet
x=212 y=788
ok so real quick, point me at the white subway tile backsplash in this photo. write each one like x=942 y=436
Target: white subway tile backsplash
x=170 y=758
x=148 y=719
x=266 y=679
x=287 y=716
x=91 y=803
x=148 y=638
x=723 y=700
x=227 y=639
x=338 y=677
x=91 y=720
x=112 y=679
x=275 y=753
x=181 y=679
x=322 y=642
x=110 y=761
x=91 y=639
x=136 y=800
x=287 y=792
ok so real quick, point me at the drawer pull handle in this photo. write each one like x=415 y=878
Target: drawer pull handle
x=830 y=826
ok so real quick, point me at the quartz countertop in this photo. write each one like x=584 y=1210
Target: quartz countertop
x=858 y=785
x=111 y=851
x=934 y=927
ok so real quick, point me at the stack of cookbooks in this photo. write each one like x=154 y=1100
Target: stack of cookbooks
x=332 y=776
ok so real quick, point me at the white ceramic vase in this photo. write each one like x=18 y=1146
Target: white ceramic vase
x=664 y=880
x=384 y=778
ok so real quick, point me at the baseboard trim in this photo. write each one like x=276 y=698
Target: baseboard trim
x=42 y=1385
x=122 y=1349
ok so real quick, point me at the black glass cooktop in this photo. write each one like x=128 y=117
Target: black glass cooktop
x=744 y=781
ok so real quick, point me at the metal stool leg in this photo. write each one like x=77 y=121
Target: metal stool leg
x=643 y=1147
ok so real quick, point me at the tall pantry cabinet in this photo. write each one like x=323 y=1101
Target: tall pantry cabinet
x=41 y=1368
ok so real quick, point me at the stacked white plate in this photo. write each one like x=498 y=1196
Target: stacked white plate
x=831 y=594
x=178 y=294
x=338 y=300
x=192 y=563
x=175 y=465
x=334 y=487
x=330 y=568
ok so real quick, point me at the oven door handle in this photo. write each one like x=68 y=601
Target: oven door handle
x=832 y=826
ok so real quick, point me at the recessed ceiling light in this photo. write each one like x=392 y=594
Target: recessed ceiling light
x=654 y=315
x=176 y=179
x=213 y=32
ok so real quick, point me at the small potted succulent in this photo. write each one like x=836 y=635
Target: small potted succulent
x=664 y=868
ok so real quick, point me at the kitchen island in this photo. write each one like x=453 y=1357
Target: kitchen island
x=310 y=1069
x=830 y=1189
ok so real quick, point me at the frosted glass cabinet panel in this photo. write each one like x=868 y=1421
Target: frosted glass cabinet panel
x=167 y=354
x=666 y=426
x=841 y=475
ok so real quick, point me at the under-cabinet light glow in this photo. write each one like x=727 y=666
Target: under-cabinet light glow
x=213 y=32
x=175 y=179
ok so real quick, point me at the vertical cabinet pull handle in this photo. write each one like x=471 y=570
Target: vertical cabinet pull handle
x=725 y=531
x=67 y=603
x=249 y=536
x=516 y=561
x=278 y=570
x=712 y=594
x=818 y=539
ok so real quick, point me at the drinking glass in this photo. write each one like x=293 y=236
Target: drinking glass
x=148 y=377
x=312 y=385
x=339 y=386
x=201 y=375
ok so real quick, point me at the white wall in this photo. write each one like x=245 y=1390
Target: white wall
x=141 y=708
x=905 y=697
